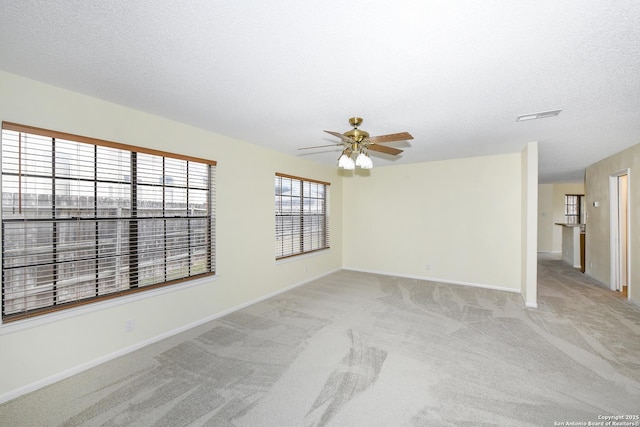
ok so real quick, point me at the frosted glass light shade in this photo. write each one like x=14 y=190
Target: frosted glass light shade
x=349 y=164
x=342 y=161
x=367 y=163
x=364 y=161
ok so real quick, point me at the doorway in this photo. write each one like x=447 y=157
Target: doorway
x=620 y=237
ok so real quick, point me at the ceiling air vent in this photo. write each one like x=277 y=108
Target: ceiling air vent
x=540 y=115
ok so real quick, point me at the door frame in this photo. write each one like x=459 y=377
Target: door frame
x=614 y=222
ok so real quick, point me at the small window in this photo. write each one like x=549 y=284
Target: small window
x=573 y=208
x=85 y=220
x=302 y=219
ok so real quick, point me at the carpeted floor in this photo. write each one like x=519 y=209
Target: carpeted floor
x=355 y=349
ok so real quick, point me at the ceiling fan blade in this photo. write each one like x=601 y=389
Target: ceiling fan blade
x=339 y=135
x=382 y=139
x=384 y=149
x=321 y=146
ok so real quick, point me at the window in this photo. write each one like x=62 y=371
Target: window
x=573 y=208
x=85 y=220
x=302 y=220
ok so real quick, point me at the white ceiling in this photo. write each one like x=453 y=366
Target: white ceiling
x=455 y=74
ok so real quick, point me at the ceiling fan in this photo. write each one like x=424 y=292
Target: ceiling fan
x=357 y=143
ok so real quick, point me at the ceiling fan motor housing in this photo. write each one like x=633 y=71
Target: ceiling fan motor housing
x=357 y=134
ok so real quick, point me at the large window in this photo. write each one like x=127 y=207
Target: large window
x=302 y=218
x=85 y=220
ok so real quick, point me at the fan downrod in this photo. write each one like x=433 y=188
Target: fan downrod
x=356 y=134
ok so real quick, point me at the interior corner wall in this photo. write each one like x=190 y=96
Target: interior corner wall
x=456 y=221
x=245 y=255
x=551 y=211
x=597 y=247
x=529 y=224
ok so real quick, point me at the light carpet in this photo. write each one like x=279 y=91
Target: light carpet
x=357 y=349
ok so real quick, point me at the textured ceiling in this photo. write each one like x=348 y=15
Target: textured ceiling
x=455 y=74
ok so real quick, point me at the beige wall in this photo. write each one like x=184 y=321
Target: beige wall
x=598 y=218
x=458 y=221
x=455 y=220
x=551 y=211
x=545 y=218
x=37 y=351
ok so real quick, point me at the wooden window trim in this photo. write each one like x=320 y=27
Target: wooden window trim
x=95 y=141
x=284 y=175
x=325 y=217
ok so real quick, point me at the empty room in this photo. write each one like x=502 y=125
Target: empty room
x=320 y=213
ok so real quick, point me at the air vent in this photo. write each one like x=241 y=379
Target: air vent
x=540 y=115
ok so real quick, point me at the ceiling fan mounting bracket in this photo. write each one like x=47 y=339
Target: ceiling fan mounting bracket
x=355 y=121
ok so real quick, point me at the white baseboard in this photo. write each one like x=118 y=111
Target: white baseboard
x=435 y=279
x=12 y=394
x=528 y=304
x=598 y=282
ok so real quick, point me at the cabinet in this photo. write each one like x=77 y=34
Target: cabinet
x=571 y=246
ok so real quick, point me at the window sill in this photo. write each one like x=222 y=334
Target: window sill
x=302 y=256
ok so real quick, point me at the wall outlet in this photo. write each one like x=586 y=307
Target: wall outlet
x=427 y=267
x=129 y=325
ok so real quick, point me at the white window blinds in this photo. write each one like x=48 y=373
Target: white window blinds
x=85 y=219
x=302 y=215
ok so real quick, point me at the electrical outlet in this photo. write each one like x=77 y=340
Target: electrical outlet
x=427 y=267
x=129 y=325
